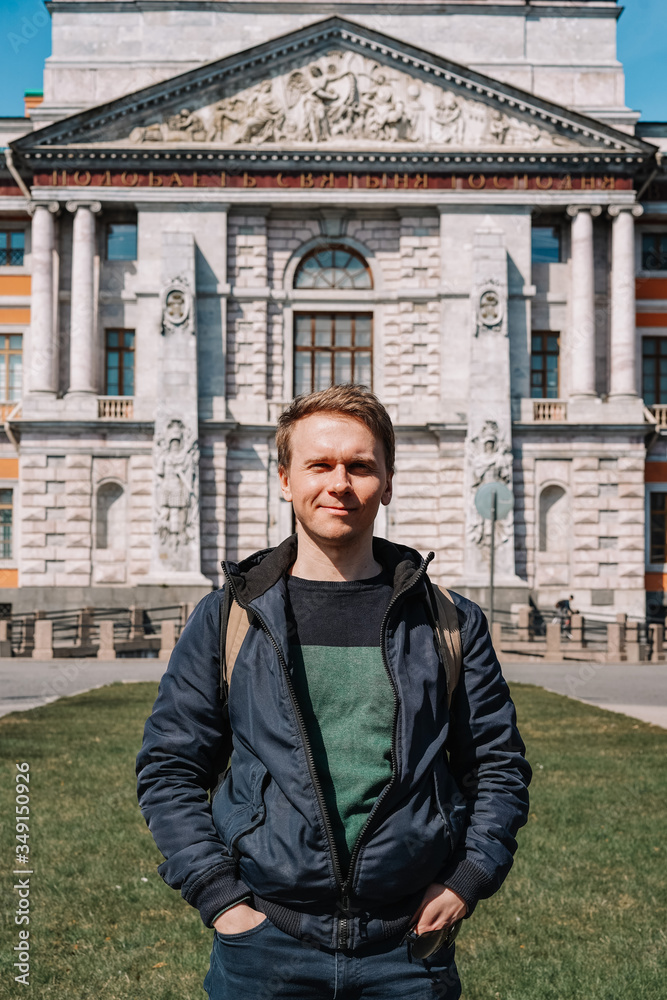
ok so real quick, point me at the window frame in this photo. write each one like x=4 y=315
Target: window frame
x=647 y=229
x=654 y=234
x=544 y=354
x=333 y=349
x=558 y=228
x=650 y=489
x=12 y=525
x=656 y=375
x=323 y=248
x=6 y=247
x=122 y=350
x=107 y=233
x=7 y=352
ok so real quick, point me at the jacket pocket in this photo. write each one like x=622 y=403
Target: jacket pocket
x=451 y=805
x=240 y=819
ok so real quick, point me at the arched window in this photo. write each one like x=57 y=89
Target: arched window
x=554 y=519
x=333 y=267
x=110 y=517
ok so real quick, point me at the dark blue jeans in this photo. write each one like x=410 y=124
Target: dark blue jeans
x=264 y=963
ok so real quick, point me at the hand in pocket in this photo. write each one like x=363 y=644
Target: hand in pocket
x=237 y=919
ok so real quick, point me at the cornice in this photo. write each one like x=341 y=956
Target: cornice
x=273 y=198
x=404 y=160
x=598 y=430
x=56 y=425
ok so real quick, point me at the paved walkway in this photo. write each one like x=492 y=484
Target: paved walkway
x=28 y=683
x=635 y=689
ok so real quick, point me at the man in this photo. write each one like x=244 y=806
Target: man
x=357 y=805
x=564 y=614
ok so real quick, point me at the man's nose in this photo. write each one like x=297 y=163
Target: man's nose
x=340 y=480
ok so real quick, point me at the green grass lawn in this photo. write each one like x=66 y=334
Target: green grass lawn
x=582 y=915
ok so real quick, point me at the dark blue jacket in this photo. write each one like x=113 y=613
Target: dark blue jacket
x=450 y=813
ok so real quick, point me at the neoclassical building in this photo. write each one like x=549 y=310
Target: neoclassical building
x=218 y=205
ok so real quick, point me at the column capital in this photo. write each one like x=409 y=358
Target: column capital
x=574 y=210
x=93 y=206
x=615 y=210
x=51 y=206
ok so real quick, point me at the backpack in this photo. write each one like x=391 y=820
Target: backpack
x=235 y=622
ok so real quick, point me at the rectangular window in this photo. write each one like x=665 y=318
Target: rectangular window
x=11 y=366
x=544 y=365
x=654 y=370
x=119 y=363
x=654 y=252
x=12 y=247
x=331 y=348
x=121 y=241
x=546 y=244
x=658 y=528
x=6 y=517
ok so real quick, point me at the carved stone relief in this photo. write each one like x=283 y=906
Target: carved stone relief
x=177 y=306
x=176 y=459
x=343 y=97
x=490 y=310
x=490 y=461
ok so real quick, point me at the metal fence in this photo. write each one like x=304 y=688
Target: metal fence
x=579 y=636
x=136 y=631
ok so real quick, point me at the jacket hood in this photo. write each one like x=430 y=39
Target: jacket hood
x=253 y=576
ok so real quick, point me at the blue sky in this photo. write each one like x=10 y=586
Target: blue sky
x=25 y=42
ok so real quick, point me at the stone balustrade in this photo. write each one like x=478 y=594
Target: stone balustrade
x=115 y=407
x=549 y=410
x=659 y=411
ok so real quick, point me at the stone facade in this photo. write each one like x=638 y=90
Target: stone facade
x=435 y=176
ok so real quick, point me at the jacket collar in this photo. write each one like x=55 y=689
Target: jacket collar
x=253 y=576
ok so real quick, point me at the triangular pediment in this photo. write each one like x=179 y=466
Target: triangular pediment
x=340 y=88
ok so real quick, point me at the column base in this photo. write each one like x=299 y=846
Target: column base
x=41 y=404
x=81 y=403
x=613 y=410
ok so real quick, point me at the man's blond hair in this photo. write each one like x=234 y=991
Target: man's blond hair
x=349 y=399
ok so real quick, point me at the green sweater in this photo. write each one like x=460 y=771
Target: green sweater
x=345 y=694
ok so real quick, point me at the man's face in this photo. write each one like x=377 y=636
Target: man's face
x=337 y=477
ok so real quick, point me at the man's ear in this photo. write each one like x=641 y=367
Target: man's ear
x=388 y=490
x=284 y=483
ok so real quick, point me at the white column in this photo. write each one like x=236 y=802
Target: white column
x=82 y=350
x=623 y=376
x=582 y=328
x=42 y=376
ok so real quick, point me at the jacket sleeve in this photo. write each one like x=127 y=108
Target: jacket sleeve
x=487 y=760
x=179 y=762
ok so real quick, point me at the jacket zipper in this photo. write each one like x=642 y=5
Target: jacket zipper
x=344 y=887
x=304 y=736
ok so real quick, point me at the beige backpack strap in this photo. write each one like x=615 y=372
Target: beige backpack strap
x=450 y=638
x=238 y=624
